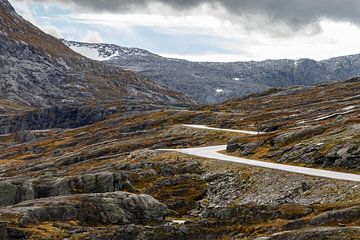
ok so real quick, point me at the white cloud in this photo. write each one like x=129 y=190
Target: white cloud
x=93 y=37
x=332 y=39
x=52 y=30
x=237 y=40
x=26 y=11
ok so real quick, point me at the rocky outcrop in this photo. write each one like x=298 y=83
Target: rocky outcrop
x=19 y=190
x=53 y=117
x=336 y=217
x=325 y=233
x=345 y=156
x=106 y=208
x=301 y=153
x=243 y=148
x=304 y=133
x=16 y=191
x=232 y=145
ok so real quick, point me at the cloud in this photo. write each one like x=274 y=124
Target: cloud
x=292 y=13
x=93 y=37
x=208 y=30
x=26 y=12
x=52 y=30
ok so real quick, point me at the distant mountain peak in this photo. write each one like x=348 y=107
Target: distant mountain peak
x=213 y=82
x=103 y=52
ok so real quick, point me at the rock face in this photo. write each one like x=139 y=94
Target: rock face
x=216 y=82
x=18 y=190
x=53 y=117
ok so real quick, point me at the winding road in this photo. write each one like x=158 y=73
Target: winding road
x=222 y=129
x=213 y=153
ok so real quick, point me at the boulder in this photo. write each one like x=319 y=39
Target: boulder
x=232 y=145
x=8 y=193
x=14 y=191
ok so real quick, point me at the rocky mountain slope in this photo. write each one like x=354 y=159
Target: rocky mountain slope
x=38 y=70
x=211 y=82
x=107 y=180
x=312 y=126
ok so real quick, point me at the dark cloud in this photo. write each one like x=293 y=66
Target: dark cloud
x=294 y=13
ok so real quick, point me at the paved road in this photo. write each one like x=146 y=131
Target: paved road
x=213 y=153
x=222 y=129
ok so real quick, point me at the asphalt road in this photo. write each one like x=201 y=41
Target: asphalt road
x=213 y=153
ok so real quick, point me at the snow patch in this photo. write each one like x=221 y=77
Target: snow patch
x=178 y=221
x=349 y=108
x=89 y=53
x=219 y=90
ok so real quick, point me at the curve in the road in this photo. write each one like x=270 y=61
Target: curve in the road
x=213 y=153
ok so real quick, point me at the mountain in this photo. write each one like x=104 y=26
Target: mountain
x=212 y=82
x=84 y=153
x=38 y=70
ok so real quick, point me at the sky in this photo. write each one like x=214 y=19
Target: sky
x=206 y=30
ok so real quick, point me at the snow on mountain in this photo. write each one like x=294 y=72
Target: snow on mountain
x=103 y=52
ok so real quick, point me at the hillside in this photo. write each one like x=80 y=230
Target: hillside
x=38 y=70
x=95 y=169
x=211 y=82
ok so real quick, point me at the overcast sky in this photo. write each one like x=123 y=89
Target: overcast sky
x=206 y=30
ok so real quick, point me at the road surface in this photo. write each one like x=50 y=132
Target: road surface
x=222 y=129
x=213 y=153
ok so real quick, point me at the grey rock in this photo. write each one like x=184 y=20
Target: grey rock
x=88 y=183
x=342 y=216
x=346 y=155
x=106 y=208
x=18 y=190
x=303 y=153
x=24 y=136
x=232 y=145
x=53 y=117
x=323 y=233
x=167 y=170
x=8 y=193
x=14 y=191
x=304 y=133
